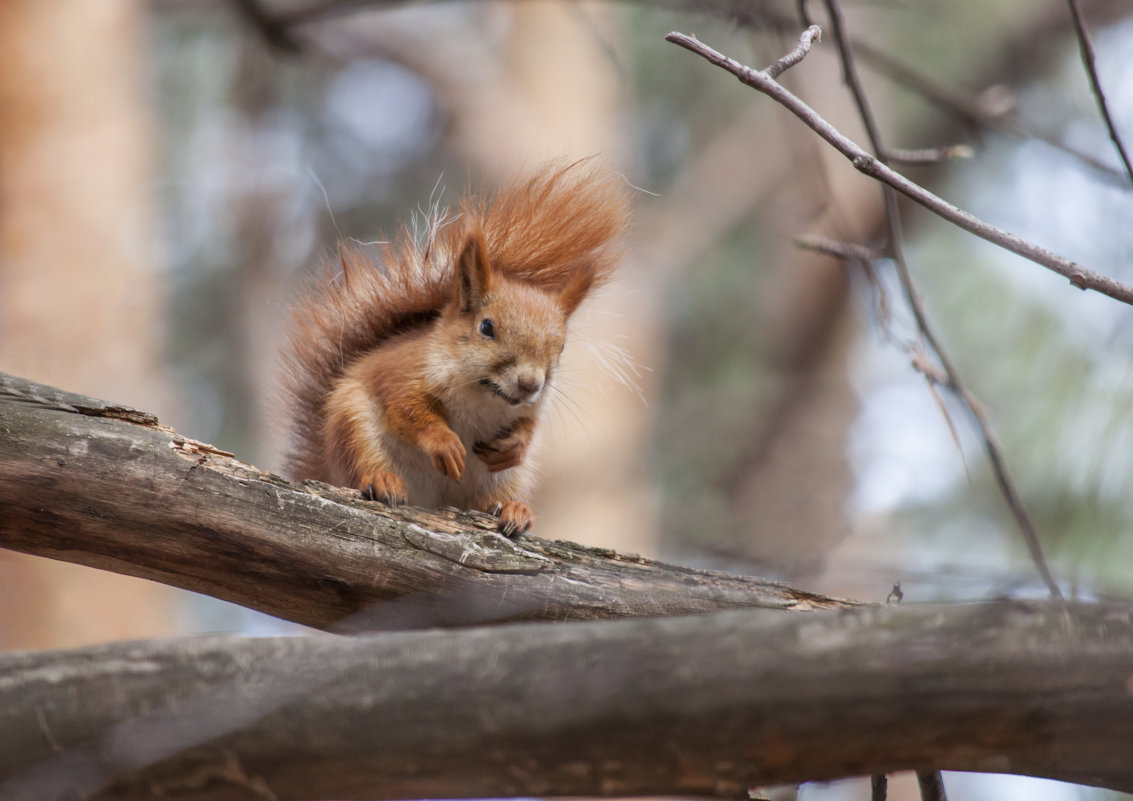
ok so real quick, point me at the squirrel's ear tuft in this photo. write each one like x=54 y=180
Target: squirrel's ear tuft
x=577 y=287
x=473 y=273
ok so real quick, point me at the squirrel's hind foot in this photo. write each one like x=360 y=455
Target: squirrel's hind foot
x=389 y=488
x=515 y=517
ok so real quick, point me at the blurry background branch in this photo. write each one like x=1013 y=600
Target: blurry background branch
x=712 y=706
x=106 y=486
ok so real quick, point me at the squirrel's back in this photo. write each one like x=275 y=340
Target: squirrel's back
x=552 y=230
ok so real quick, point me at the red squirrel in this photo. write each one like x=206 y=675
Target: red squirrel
x=423 y=378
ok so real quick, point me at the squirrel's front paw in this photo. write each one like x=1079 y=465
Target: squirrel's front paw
x=500 y=454
x=506 y=451
x=515 y=517
x=388 y=488
x=447 y=452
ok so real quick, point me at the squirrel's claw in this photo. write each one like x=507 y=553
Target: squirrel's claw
x=389 y=488
x=515 y=517
x=449 y=463
x=447 y=452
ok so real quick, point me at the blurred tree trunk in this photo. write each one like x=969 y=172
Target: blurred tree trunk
x=79 y=295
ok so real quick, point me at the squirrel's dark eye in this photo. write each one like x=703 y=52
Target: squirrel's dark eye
x=487 y=329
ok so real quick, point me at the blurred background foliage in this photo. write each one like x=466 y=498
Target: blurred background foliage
x=772 y=422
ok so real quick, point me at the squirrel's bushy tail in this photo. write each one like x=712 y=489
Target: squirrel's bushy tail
x=554 y=229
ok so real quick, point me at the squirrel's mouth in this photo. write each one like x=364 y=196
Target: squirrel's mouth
x=496 y=389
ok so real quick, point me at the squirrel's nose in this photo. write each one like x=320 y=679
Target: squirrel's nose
x=529 y=383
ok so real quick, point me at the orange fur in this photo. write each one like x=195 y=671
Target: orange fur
x=395 y=387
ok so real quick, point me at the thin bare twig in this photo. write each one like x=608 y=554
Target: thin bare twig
x=808 y=38
x=999 y=467
x=974 y=112
x=859 y=256
x=858 y=156
x=870 y=165
x=932 y=388
x=1087 y=50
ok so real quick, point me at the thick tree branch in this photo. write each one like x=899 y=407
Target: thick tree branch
x=85 y=481
x=869 y=165
x=710 y=706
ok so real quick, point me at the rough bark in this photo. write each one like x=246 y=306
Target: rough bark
x=106 y=486
x=710 y=706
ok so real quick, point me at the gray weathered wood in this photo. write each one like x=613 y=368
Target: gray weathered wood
x=86 y=481
x=709 y=705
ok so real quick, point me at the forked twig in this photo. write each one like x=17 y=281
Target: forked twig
x=809 y=36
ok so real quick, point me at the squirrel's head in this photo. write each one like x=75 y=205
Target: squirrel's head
x=508 y=334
